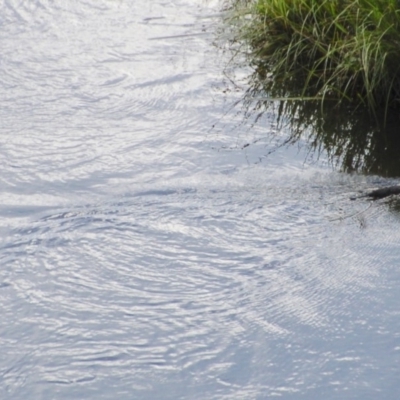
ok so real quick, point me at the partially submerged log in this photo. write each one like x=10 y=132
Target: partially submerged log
x=380 y=193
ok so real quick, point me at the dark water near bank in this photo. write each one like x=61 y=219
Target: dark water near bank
x=146 y=252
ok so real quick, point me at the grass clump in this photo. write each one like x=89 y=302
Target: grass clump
x=324 y=49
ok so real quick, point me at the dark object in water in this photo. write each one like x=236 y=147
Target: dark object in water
x=380 y=193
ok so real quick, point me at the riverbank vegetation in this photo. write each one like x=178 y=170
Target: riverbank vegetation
x=323 y=50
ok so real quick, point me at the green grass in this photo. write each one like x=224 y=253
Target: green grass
x=323 y=49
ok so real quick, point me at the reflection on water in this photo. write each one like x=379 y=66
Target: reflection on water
x=145 y=255
x=353 y=139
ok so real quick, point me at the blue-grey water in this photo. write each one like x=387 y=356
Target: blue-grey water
x=145 y=252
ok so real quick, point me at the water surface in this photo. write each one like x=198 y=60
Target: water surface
x=146 y=252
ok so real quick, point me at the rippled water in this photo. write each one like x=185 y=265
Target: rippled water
x=145 y=254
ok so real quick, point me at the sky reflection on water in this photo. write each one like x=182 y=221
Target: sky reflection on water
x=146 y=254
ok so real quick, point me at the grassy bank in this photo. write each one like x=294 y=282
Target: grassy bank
x=323 y=49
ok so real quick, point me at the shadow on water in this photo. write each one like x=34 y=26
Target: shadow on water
x=353 y=139
x=394 y=207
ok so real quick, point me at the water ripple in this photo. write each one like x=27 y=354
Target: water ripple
x=146 y=252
